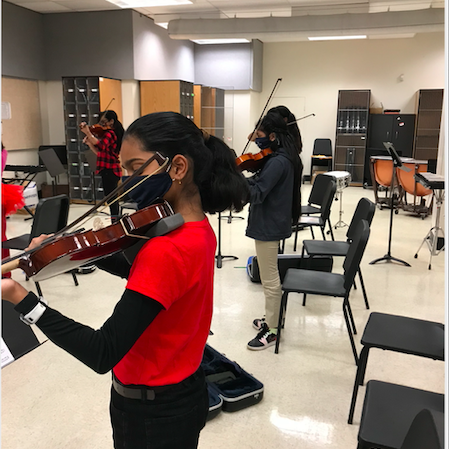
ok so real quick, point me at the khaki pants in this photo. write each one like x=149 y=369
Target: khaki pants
x=267 y=258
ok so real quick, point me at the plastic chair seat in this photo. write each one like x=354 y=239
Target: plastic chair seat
x=310 y=221
x=398 y=334
x=326 y=248
x=309 y=209
x=388 y=412
x=314 y=282
x=406 y=335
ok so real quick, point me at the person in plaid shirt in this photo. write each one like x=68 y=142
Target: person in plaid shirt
x=107 y=149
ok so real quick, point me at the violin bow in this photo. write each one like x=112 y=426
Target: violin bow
x=298 y=119
x=261 y=115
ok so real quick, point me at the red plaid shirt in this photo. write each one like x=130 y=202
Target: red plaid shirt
x=107 y=156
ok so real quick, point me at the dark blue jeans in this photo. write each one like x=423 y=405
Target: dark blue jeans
x=173 y=420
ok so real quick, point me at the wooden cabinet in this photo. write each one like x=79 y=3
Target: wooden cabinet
x=352 y=126
x=171 y=95
x=429 y=104
x=209 y=109
x=84 y=98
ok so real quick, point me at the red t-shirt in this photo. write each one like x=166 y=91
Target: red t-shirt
x=177 y=270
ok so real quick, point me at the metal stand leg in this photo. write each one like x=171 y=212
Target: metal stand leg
x=230 y=217
x=340 y=223
x=435 y=232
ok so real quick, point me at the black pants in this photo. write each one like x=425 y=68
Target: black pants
x=173 y=420
x=110 y=182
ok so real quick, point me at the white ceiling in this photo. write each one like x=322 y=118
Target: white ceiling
x=277 y=20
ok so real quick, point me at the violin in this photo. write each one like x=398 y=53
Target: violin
x=61 y=253
x=253 y=162
x=71 y=251
x=98 y=130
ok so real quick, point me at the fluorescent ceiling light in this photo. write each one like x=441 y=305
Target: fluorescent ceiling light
x=148 y=3
x=335 y=38
x=219 y=41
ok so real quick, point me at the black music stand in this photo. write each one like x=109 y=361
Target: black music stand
x=230 y=217
x=53 y=165
x=397 y=163
x=219 y=257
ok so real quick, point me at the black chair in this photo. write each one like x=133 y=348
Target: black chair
x=328 y=284
x=307 y=221
x=364 y=211
x=50 y=217
x=399 y=334
x=316 y=195
x=389 y=410
x=426 y=431
x=323 y=148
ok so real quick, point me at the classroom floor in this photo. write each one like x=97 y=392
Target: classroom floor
x=52 y=401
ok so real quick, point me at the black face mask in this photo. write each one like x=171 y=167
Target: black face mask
x=154 y=187
x=263 y=142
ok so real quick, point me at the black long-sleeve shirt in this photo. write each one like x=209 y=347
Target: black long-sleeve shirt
x=99 y=349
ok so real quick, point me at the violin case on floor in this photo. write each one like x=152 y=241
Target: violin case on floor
x=228 y=382
x=286 y=261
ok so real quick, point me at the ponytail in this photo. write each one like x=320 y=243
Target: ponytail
x=225 y=187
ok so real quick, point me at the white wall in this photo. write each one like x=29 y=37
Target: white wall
x=156 y=56
x=313 y=72
x=130 y=101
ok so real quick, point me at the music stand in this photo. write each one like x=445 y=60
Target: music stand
x=219 y=257
x=53 y=165
x=397 y=163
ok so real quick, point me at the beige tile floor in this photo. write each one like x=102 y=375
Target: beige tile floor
x=50 y=400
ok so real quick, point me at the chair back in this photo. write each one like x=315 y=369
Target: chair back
x=322 y=147
x=318 y=190
x=51 y=215
x=328 y=198
x=364 y=211
x=426 y=431
x=355 y=253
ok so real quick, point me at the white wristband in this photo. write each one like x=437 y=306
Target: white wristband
x=33 y=316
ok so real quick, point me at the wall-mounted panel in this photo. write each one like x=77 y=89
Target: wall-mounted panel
x=22 y=42
x=77 y=44
x=23 y=130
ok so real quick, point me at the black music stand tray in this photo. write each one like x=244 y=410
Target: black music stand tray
x=396 y=164
x=219 y=257
x=53 y=165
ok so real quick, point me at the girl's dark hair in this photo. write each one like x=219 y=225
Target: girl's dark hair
x=273 y=122
x=118 y=127
x=215 y=173
x=292 y=125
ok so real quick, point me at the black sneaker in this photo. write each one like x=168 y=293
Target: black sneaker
x=257 y=323
x=264 y=339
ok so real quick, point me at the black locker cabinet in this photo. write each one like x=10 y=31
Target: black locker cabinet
x=399 y=129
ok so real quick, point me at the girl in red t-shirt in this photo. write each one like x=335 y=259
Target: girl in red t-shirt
x=155 y=338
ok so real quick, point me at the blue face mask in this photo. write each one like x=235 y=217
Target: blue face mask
x=263 y=142
x=154 y=187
